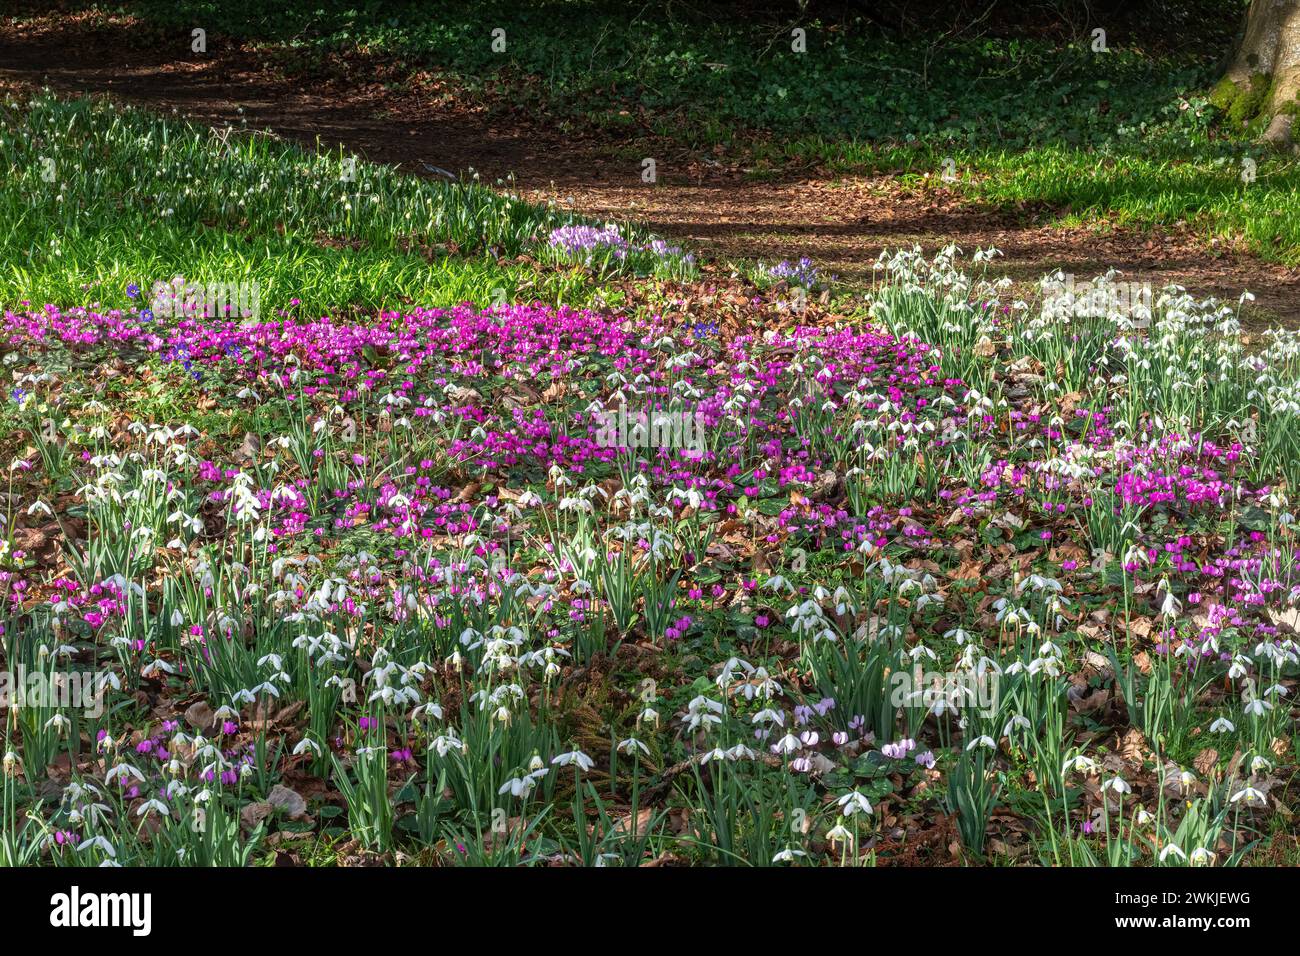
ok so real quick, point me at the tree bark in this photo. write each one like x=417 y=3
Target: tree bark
x=1263 y=81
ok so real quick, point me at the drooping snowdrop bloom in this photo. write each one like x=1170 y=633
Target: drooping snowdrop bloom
x=518 y=786
x=99 y=842
x=154 y=806
x=1080 y=764
x=786 y=745
x=1117 y=784
x=577 y=757
x=854 y=802
x=840 y=835
x=1250 y=796
x=631 y=746
x=123 y=772
x=1257 y=707
x=702 y=712
x=59 y=724
x=1017 y=722
x=307 y=745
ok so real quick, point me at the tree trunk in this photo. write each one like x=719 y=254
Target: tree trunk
x=1263 y=82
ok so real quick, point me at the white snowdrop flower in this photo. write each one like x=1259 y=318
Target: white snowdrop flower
x=583 y=762
x=1257 y=707
x=1250 y=796
x=100 y=842
x=123 y=772
x=840 y=834
x=431 y=709
x=854 y=802
x=154 y=806
x=1080 y=764
x=1017 y=722
x=631 y=746
x=59 y=723
x=729 y=672
x=921 y=650
x=1171 y=606
x=517 y=786
x=942 y=705
x=1118 y=784
x=786 y=745
x=778 y=583
x=766 y=686
x=703 y=712
x=446 y=743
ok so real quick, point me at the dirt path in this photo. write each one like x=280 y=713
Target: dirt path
x=842 y=224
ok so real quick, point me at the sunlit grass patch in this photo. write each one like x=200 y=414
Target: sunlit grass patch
x=99 y=197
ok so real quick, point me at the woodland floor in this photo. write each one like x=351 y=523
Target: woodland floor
x=841 y=222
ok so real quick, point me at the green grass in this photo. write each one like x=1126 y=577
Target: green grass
x=96 y=196
x=1206 y=191
x=1139 y=183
